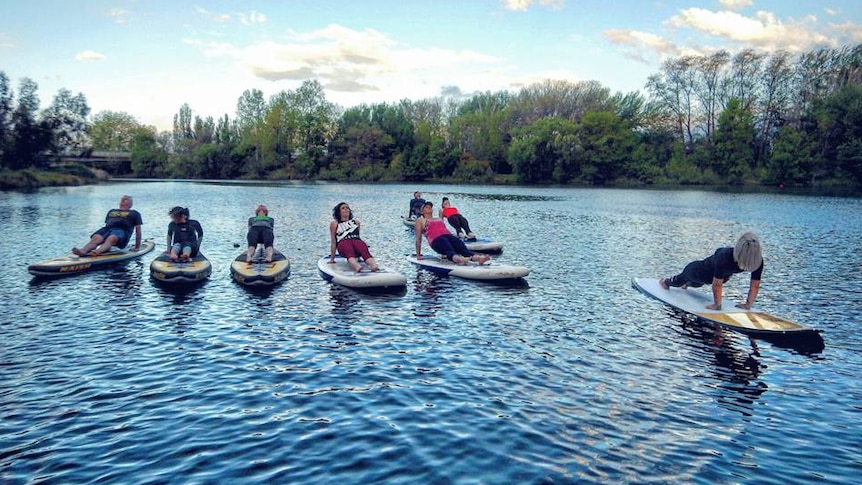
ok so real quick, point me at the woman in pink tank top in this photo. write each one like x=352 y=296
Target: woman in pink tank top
x=441 y=240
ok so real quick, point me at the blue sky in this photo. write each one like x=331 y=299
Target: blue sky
x=148 y=57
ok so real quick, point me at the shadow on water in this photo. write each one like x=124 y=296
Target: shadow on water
x=737 y=368
x=178 y=294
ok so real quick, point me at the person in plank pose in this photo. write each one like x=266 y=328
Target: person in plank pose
x=717 y=269
x=441 y=240
x=261 y=230
x=415 y=206
x=344 y=236
x=184 y=235
x=119 y=224
x=456 y=220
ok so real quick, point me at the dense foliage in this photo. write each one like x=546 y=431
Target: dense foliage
x=739 y=119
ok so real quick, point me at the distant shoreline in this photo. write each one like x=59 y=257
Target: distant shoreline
x=33 y=179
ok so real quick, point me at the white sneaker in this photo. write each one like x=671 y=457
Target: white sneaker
x=462 y=235
x=471 y=236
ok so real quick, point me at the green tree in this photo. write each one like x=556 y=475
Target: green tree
x=734 y=142
x=31 y=138
x=67 y=119
x=608 y=144
x=113 y=131
x=149 y=155
x=791 y=158
x=546 y=151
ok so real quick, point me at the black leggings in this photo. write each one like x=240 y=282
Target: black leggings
x=459 y=223
x=260 y=235
x=695 y=275
x=450 y=246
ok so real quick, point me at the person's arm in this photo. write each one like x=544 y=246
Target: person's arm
x=200 y=231
x=417 y=227
x=717 y=287
x=137 y=237
x=753 y=289
x=170 y=236
x=332 y=226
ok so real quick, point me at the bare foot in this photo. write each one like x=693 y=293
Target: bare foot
x=481 y=258
x=663 y=283
x=78 y=252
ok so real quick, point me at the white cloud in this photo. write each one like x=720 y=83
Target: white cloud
x=253 y=18
x=6 y=41
x=349 y=60
x=736 y=4
x=764 y=30
x=638 y=44
x=523 y=5
x=119 y=15
x=89 y=56
x=831 y=11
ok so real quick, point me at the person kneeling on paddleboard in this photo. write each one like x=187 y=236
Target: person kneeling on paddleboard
x=184 y=235
x=441 y=240
x=717 y=269
x=344 y=235
x=261 y=230
x=119 y=224
x=416 y=204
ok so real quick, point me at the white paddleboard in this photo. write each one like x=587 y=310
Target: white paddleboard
x=484 y=245
x=489 y=271
x=342 y=274
x=408 y=222
x=694 y=301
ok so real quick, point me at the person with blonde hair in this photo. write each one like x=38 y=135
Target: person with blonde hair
x=119 y=224
x=717 y=269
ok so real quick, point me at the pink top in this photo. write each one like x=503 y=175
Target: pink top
x=435 y=228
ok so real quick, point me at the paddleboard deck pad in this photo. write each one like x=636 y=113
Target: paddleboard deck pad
x=342 y=274
x=69 y=264
x=489 y=271
x=693 y=301
x=194 y=270
x=259 y=272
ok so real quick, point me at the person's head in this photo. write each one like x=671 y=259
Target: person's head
x=126 y=202
x=747 y=252
x=342 y=212
x=428 y=209
x=261 y=210
x=179 y=214
x=417 y=194
x=445 y=202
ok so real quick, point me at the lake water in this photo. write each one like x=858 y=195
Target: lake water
x=572 y=377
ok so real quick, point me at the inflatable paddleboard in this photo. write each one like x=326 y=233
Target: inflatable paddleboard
x=69 y=264
x=408 y=222
x=342 y=274
x=489 y=271
x=260 y=273
x=194 y=270
x=484 y=245
x=694 y=301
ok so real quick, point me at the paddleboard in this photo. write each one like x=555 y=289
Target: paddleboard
x=408 y=222
x=484 y=245
x=342 y=274
x=194 y=270
x=694 y=301
x=489 y=271
x=260 y=273
x=69 y=264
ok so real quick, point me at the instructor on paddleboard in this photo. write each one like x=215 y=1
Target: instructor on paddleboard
x=717 y=269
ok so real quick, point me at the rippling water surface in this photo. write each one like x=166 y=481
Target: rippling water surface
x=571 y=377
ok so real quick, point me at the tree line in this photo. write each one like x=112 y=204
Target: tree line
x=746 y=118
